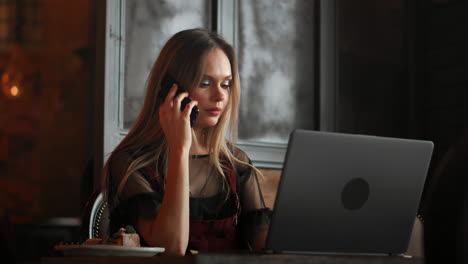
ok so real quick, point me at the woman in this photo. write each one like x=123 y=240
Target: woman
x=181 y=187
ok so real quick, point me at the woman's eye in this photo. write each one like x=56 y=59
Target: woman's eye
x=226 y=85
x=205 y=84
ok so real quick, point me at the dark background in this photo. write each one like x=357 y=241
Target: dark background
x=403 y=72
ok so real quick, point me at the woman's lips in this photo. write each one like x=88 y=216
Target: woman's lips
x=214 y=111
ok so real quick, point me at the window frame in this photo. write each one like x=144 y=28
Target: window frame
x=262 y=154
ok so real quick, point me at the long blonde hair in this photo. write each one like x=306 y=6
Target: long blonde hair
x=183 y=58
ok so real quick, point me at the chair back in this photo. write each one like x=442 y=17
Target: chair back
x=99 y=218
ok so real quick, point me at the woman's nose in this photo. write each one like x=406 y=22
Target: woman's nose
x=218 y=93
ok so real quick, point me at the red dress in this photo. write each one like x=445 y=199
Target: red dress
x=217 y=234
x=213 y=234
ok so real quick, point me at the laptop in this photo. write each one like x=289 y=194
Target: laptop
x=348 y=194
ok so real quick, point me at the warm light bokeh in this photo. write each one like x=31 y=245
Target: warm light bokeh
x=14 y=91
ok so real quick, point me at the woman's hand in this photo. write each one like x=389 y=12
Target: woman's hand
x=259 y=240
x=176 y=123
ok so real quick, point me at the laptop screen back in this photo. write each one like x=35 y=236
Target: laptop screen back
x=342 y=193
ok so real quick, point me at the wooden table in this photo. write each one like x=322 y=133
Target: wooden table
x=234 y=258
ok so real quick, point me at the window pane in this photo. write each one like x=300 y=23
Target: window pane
x=276 y=59
x=148 y=25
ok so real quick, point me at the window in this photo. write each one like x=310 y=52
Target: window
x=277 y=44
x=276 y=49
x=148 y=25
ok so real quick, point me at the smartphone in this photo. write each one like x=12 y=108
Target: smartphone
x=166 y=85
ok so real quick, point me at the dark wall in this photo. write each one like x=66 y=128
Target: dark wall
x=403 y=69
x=403 y=72
x=443 y=76
x=372 y=68
x=48 y=139
x=442 y=87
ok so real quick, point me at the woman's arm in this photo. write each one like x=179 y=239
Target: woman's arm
x=170 y=228
x=259 y=240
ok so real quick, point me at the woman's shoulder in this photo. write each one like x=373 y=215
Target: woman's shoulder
x=239 y=153
x=242 y=167
x=119 y=162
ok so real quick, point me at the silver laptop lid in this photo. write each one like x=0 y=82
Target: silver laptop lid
x=343 y=193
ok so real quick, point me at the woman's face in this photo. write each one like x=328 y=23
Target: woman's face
x=213 y=91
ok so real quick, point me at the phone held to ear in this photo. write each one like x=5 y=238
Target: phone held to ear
x=166 y=85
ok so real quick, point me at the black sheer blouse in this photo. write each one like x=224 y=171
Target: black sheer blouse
x=141 y=197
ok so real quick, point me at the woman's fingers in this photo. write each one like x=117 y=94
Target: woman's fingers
x=188 y=108
x=178 y=100
x=171 y=108
x=174 y=122
x=170 y=95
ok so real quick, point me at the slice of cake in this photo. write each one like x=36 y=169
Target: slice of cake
x=124 y=238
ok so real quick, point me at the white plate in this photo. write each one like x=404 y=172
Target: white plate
x=108 y=250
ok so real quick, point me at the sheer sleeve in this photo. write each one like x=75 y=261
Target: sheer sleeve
x=138 y=199
x=255 y=216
